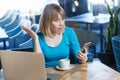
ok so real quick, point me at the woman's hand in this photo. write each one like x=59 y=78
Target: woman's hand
x=30 y=32
x=37 y=47
x=83 y=56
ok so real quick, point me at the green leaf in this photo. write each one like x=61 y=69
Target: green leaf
x=109 y=10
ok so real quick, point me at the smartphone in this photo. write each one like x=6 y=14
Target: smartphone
x=86 y=45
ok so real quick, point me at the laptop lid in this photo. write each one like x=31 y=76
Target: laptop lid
x=22 y=65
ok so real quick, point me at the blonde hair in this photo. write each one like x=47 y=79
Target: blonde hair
x=50 y=14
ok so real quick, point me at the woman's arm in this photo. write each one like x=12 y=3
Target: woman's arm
x=37 y=47
x=76 y=49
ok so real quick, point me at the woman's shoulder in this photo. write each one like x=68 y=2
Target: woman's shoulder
x=68 y=30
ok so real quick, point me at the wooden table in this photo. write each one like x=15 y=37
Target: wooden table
x=89 y=19
x=3 y=37
x=88 y=71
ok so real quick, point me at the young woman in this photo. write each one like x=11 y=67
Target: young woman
x=55 y=40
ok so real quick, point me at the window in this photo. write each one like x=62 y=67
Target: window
x=25 y=6
x=94 y=2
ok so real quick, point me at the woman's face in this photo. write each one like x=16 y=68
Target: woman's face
x=58 y=25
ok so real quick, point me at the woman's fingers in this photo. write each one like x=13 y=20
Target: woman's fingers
x=27 y=30
x=82 y=56
x=30 y=32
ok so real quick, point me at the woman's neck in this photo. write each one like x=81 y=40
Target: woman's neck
x=53 y=41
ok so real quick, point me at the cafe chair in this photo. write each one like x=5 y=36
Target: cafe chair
x=13 y=34
x=19 y=65
x=6 y=15
x=13 y=24
x=116 y=50
x=85 y=36
x=10 y=18
x=21 y=41
x=13 y=31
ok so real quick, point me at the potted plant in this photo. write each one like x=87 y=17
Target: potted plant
x=107 y=57
x=113 y=27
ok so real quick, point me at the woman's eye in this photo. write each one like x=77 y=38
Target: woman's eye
x=56 y=20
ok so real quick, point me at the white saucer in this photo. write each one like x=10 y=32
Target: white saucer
x=70 y=67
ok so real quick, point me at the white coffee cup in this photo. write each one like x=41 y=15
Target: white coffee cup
x=64 y=63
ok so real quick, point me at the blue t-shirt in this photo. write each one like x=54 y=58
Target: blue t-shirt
x=69 y=44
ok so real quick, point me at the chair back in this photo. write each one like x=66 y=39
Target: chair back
x=13 y=23
x=116 y=50
x=20 y=40
x=23 y=65
x=85 y=36
x=6 y=15
x=15 y=32
x=9 y=19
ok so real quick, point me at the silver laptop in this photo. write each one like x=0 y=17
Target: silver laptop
x=18 y=65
